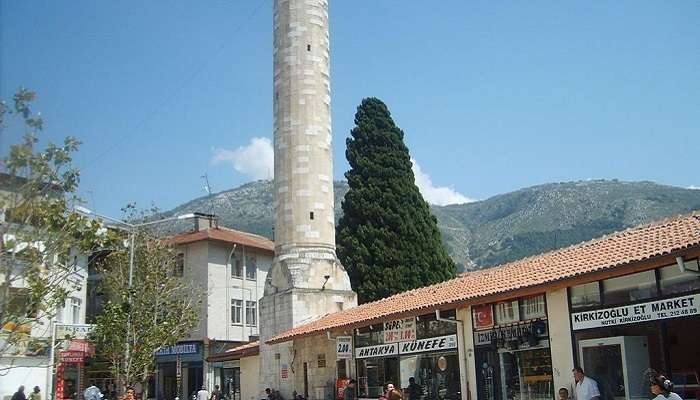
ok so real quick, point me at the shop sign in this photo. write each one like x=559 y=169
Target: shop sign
x=343 y=347
x=483 y=316
x=382 y=350
x=439 y=343
x=71 y=357
x=285 y=371
x=178 y=367
x=651 y=311
x=507 y=333
x=178 y=349
x=71 y=331
x=400 y=330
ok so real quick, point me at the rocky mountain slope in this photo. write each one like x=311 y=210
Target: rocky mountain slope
x=496 y=230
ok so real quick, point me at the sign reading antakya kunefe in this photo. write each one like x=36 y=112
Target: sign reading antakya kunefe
x=651 y=311
x=400 y=330
x=439 y=343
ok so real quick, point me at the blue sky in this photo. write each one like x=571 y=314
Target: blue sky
x=492 y=96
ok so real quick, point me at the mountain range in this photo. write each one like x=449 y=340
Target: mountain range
x=496 y=230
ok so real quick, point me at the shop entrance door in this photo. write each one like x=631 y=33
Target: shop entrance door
x=618 y=365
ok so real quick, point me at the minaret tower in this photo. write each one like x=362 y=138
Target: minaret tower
x=306 y=280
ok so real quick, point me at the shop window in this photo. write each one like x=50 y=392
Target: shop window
x=586 y=295
x=629 y=288
x=236 y=311
x=251 y=313
x=342 y=368
x=369 y=337
x=251 y=267
x=373 y=373
x=507 y=312
x=436 y=376
x=428 y=326
x=179 y=265
x=674 y=281
x=533 y=308
x=237 y=266
x=75 y=309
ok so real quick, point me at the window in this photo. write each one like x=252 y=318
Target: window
x=308 y=47
x=237 y=266
x=311 y=215
x=507 y=312
x=532 y=308
x=674 y=281
x=236 y=311
x=639 y=286
x=179 y=265
x=251 y=313
x=251 y=267
x=75 y=309
x=586 y=295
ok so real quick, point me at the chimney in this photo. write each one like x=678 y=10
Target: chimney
x=205 y=221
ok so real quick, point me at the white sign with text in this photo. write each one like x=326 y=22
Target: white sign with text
x=400 y=330
x=654 y=310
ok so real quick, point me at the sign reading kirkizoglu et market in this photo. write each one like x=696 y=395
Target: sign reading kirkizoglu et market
x=676 y=307
x=178 y=349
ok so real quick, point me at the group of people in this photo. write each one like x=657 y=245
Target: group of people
x=413 y=392
x=34 y=395
x=586 y=388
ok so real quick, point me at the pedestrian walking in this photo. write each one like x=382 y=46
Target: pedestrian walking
x=414 y=389
x=564 y=394
x=216 y=394
x=662 y=387
x=586 y=387
x=392 y=393
x=19 y=394
x=203 y=394
x=36 y=394
x=350 y=391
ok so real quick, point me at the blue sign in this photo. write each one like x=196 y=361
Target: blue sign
x=178 y=349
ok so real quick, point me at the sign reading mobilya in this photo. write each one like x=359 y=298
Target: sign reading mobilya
x=651 y=311
x=178 y=349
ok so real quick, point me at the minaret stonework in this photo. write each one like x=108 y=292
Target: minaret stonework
x=306 y=280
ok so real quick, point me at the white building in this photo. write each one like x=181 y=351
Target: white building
x=25 y=359
x=232 y=267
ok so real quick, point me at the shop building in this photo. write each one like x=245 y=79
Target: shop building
x=231 y=268
x=616 y=306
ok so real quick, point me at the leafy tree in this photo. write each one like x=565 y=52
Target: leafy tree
x=160 y=309
x=42 y=242
x=387 y=238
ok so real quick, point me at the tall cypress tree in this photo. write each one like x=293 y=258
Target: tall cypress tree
x=387 y=238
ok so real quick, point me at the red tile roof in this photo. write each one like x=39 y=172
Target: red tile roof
x=610 y=251
x=246 y=350
x=226 y=235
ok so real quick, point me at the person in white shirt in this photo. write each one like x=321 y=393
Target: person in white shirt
x=203 y=394
x=586 y=388
x=662 y=387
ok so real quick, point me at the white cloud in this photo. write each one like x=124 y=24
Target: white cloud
x=255 y=160
x=693 y=187
x=438 y=195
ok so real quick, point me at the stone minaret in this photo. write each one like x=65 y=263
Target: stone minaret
x=306 y=280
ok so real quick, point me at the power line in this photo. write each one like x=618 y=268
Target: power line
x=189 y=78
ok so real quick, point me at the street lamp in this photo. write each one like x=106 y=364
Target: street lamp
x=131 y=229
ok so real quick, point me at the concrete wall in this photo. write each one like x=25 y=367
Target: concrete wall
x=29 y=371
x=196 y=273
x=321 y=379
x=250 y=379
x=560 y=342
x=465 y=315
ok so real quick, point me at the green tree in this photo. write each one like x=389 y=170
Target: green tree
x=160 y=309
x=43 y=244
x=387 y=238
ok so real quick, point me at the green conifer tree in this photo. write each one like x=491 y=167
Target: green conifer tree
x=387 y=238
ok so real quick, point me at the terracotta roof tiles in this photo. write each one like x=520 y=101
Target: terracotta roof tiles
x=226 y=235
x=610 y=251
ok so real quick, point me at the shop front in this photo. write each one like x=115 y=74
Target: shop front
x=512 y=353
x=626 y=325
x=179 y=370
x=422 y=348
